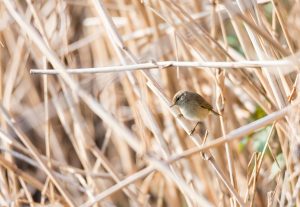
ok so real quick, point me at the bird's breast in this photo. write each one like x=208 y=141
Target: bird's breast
x=194 y=112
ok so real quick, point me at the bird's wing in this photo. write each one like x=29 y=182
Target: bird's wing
x=205 y=104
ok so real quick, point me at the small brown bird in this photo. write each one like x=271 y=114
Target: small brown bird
x=192 y=106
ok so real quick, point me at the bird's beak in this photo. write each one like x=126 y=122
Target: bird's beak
x=172 y=105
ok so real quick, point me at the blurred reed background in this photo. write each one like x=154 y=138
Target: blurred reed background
x=103 y=134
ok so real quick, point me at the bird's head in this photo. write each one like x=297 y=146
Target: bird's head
x=179 y=98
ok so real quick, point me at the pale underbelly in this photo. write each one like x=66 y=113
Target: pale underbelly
x=195 y=115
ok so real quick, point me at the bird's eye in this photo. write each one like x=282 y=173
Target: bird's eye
x=177 y=98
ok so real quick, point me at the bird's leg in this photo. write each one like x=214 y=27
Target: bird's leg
x=192 y=131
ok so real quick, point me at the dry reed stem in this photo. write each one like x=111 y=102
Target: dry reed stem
x=121 y=48
x=110 y=138
x=55 y=61
x=178 y=64
x=236 y=134
x=26 y=141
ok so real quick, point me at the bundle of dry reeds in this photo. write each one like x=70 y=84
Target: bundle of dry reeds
x=86 y=89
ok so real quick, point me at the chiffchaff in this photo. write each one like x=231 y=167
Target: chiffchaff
x=192 y=106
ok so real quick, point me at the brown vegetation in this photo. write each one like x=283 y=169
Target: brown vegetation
x=85 y=93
